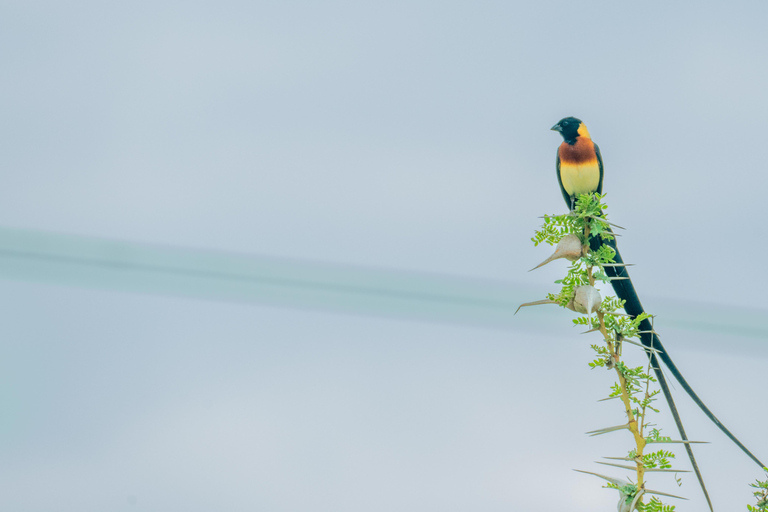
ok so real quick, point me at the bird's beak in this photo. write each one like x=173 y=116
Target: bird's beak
x=557 y=128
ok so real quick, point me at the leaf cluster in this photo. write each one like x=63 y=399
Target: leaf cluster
x=589 y=212
x=603 y=355
x=633 y=376
x=588 y=216
x=588 y=220
x=654 y=436
x=611 y=304
x=577 y=276
x=761 y=495
x=628 y=491
x=625 y=326
x=555 y=228
x=658 y=459
x=655 y=505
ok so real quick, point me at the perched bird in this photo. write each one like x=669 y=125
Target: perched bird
x=579 y=163
x=580 y=171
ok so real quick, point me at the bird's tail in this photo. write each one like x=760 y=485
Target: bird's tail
x=625 y=291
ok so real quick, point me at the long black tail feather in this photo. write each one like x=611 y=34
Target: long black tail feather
x=625 y=290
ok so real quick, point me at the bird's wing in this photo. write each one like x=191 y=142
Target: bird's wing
x=600 y=163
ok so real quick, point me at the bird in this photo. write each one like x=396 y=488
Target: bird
x=580 y=171
x=579 y=162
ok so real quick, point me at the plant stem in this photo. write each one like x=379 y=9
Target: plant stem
x=634 y=427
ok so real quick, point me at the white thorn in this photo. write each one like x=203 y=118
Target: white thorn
x=569 y=248
x=649 y=491
x=535 y=303
x=607 y=429
x=615 y=481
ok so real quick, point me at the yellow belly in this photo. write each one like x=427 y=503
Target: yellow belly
x=580 y=179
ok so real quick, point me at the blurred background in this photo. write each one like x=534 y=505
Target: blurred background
x=265 y=255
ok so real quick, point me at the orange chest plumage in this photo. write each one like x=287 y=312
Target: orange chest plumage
x=582 y=152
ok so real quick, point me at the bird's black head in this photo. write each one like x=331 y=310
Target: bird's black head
x=570 y=128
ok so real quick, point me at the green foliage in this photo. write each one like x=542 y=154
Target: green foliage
x=601 y=276
x=654 y=436
x=603 y=356
x=588 y=214
x=625 y=326
x=611 y=304
x=597 y=363
x=603 y=255
x=635 y=378
x=627 y=491
x=761 y=495
x=658 y=459
x=554 y=229
x=578 y=275
x=650 y=397
x=655 y=505
x=615 y=390
x=585 y=221
x=589 y=321
x=588 y=207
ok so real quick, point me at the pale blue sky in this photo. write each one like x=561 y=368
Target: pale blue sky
x=412 y=136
